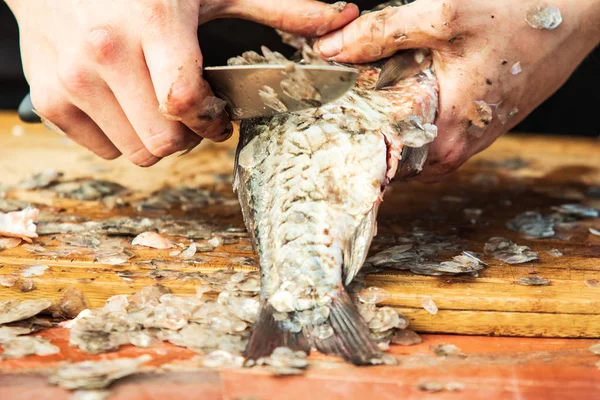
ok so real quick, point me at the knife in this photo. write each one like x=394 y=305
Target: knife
x=240 y=85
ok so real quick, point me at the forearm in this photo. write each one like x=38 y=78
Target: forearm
x=585 y=16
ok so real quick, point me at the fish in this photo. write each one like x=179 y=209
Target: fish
x=310 y=184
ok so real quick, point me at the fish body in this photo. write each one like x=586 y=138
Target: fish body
x=310 y=183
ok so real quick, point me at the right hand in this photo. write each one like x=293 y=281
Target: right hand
x=125 y=77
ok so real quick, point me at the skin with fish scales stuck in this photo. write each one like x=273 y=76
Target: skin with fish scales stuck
x=310 y=183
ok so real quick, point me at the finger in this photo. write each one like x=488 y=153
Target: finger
x=467 y=118
x=57 y=113
x=174 y=60
x=124 y=69
x=303 y=17
x=91 y=95
x=380 y=34
x=62 y=117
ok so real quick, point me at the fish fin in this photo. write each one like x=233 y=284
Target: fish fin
x=267 y=335
x=245 y=203
x=249 y=129
x=351 y=337
x=398 y=67
x=413 y=158
x=358 y=245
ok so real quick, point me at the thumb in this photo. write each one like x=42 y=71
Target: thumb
x=380 y=34
x=302 y=17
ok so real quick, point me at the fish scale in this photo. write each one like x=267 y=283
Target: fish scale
x=310 y=183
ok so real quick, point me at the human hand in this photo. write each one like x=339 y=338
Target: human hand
x=476 y=46
x=126 y=76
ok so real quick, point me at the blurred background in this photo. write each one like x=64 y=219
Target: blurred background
x=570 y=111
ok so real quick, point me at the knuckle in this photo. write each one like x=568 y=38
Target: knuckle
x=50 y=107
x=181 y=99
x=104 y=44
x=157 y=18
x=164 y=145
x=443 y=18
x=216 y=130
x=75 y=77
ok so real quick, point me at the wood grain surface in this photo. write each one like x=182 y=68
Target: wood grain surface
x=557 y=171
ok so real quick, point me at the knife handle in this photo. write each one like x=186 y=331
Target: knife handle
x=26 y=112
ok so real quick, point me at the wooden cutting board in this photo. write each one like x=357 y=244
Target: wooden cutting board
x=555 y=171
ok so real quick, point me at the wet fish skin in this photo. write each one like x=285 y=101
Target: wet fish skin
x=309 y=184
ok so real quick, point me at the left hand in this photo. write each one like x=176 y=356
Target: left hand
x=475 y=45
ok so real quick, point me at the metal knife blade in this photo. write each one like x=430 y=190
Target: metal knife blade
x=239 y=86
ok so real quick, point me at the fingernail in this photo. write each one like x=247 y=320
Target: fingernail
x=339 y=5
x=227 y=132
x=330 y=45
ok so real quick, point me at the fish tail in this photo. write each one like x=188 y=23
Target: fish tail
x=351 y=337
x=267 y=335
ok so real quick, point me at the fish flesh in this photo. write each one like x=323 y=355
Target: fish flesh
x=310 y=183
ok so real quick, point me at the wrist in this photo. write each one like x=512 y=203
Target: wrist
x=587 y=24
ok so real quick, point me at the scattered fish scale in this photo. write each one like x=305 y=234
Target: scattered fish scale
x=26 y=285
x=270 y=99
x=534 y=281
x=448 y=350
x=543 y=17
x=204 y=324
x=10 y=205
x=9 y=243
x=222 y=359
x=429 y=305
x=578 y=210
x=284 y=361
x=373 y=295
x=70 y=305
x=41 y=180
x=22 y=346
x=505 y=250
x=15 y=310
x=96 y=374
x=87 y=189
x=386 y=319
x=19 y=224
x=555 y=253
x=34 y=270
x=52 y=227
x=8 y=280
x=406 y=337
x=532 y=225
x=11 y=332
x=430 y=386
x=418 y=258
x=592 y=283
x=153 y=240
x=184 y=197
x=90 y=395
